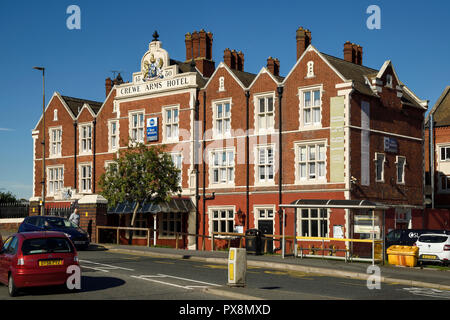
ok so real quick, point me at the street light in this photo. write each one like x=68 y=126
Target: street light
x=43 y=138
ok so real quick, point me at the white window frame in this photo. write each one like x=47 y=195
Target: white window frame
x=169 y=217
x=55 y=115
x=138 y=128
x=57 y=144
x=172 y=123
x=223 y=118
x=382 y=166
x=310 y=220
x=266 y=113
x=220 y=166
x=310 y=69
x=178 y=165
x=219 y=218
x=257 y=217
x=53 y=178
x=85 y=139
x=299 y=160
x=445 y=148
x=84 y=179
x=397 y=162
x=267 y=180
x=311 y=124
x=111 y=136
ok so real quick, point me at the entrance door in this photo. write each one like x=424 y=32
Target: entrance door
x=266 y=227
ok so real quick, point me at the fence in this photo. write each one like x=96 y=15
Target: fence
x=13 y=210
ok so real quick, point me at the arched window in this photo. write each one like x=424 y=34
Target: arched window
x=55 y=115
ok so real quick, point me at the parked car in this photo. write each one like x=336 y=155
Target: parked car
x=34 y=259
x=407 y=237
x=434 y=247
x=78 y=236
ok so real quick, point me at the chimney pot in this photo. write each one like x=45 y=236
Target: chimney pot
x=303 y=37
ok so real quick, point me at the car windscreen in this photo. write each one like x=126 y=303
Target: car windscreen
x=46 y=245
x=60 y=223
x=432 y=239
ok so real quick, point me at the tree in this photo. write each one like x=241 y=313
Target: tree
x=7 y=197
x=141 y=174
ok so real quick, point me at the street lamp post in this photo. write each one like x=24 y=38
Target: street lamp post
x=43 y=138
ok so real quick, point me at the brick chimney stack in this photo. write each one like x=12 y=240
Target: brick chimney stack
x=353 y=53
x=273 y=65
x=304 y=38
x=234 y=60
x=188 y=41
x=199 y=48
x=108 y=86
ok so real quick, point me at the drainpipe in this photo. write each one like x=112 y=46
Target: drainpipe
x=203 y=165
x=247 y=160
x=75 y=124
x=431 y=141
x=196 y=117
x=93 y=160
x=280 y=158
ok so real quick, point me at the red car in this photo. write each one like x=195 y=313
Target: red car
x=34 y=259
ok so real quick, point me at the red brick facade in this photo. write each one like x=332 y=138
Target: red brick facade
x=394 y=112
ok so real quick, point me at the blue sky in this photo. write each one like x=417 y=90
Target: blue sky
x=114 y=35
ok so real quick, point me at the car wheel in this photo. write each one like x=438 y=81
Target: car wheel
x=12 y=289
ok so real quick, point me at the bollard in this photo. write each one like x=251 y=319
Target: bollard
x=237 y=267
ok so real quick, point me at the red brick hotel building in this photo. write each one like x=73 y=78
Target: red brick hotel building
x=331 y=128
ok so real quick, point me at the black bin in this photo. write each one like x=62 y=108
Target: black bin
x=253 y=241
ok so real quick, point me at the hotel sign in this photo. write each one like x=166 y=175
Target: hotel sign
x=137 y=89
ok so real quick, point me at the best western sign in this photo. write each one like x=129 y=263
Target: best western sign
x=149 y=87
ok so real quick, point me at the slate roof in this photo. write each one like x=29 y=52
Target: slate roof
x=352 y=71
x=75 y=104
x=185 y=67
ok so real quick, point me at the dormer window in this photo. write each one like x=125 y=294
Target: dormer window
x=310 y=69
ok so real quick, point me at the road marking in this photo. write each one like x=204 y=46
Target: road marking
x=102 y=266
x=164 y=276
x=429 y=292
x=164 y=262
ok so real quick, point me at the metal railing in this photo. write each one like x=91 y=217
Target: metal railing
x=13 y=210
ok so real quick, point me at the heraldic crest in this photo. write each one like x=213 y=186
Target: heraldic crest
x=153 y=69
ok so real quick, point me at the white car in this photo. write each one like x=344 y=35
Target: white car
x=434 y=248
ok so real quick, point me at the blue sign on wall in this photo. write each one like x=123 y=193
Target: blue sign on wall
x=152 y=129
x=390 y=145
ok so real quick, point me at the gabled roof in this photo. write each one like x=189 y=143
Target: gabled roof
x=75 y=104
x=441 y=110
x=244 y=79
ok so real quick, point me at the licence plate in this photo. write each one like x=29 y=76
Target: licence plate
x=428 y=256
x=46 y=263
x=79 y=242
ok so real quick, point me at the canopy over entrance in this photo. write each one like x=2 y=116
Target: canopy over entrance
x=176 y=205
x=345 y=204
